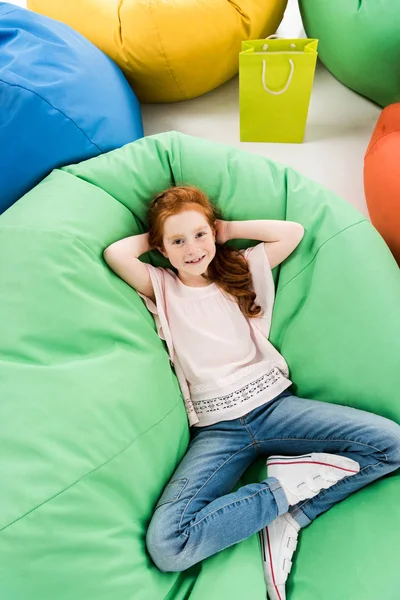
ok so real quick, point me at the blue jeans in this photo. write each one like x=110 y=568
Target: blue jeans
x=198 y=515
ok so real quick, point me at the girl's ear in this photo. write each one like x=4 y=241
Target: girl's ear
x=162 y=251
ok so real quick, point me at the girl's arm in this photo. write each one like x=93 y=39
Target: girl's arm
x=123 y=258
x=280 y=237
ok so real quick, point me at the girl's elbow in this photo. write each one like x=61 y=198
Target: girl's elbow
x=301 y=230
x=298 y=233
x=106 y=253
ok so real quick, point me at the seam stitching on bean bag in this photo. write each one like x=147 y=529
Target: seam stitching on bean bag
x=244 y=16
x=10 y=11
x=93 y=470
x=164 y=54
x=178 y=137
x=119 y=22
x=379 y=139
x=53 y=232
x=54 y=107
x=315 y=255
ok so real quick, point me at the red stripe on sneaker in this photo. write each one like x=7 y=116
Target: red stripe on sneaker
x=309 y=462
x=271 y=565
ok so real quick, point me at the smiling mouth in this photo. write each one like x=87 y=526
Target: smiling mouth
x=195 y=261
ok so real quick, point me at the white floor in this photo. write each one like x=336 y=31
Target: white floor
x=339 y=126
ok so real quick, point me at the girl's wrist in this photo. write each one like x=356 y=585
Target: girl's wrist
x=232 y=230
x=227 y=231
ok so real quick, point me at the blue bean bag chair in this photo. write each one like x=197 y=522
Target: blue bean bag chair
x=61 y=101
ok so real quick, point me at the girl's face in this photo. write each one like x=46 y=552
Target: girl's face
x=189 y=244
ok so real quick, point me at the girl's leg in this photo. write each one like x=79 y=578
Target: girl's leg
x=197 y=516
x=299 y=426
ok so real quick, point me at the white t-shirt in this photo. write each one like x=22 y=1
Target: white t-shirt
x=227 y=362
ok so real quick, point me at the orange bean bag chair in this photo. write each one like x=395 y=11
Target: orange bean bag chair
x=382 y=177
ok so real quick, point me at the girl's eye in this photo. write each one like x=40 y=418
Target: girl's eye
x=177 y=242
x=202 y=233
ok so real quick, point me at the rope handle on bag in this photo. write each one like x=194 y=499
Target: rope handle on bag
x=276 y=37
x=266 y=88
x=287 y=83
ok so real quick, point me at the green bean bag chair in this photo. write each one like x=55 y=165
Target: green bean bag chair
x=92 y=424
x=359 y=43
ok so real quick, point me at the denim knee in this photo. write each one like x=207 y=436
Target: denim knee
x=388 y=432
x=166 y=546
x=392 y=441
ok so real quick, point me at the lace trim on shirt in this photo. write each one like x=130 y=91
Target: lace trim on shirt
x=244 y=394
x=225 y=381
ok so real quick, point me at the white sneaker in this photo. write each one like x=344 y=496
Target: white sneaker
x=303 y=477
x=278 y=542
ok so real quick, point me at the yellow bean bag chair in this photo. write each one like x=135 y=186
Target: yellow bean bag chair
x=169 y=50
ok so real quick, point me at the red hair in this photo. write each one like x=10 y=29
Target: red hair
x=228 y=269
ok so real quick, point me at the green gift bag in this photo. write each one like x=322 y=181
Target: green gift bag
x=275 y=82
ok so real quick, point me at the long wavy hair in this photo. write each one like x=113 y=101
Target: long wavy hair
x=228 y=269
